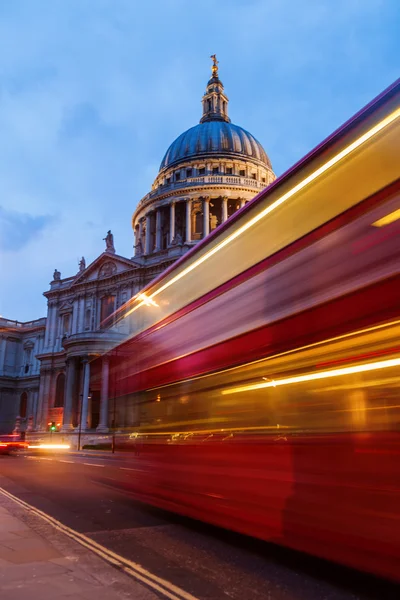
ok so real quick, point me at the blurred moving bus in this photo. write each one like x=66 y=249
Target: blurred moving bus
x=260 y=386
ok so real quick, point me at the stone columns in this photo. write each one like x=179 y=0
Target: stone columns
x=69 y=395
x=3 y=343
x=48 y=325
x=44 y=391
x=188 y=220
x=103 y=423
x=32 y=414
x=171 y=222
x=85 y=394
x=81 y=320
x=206 y=216
x=224 y=209
x=141 y=233
x=158 y=230
x=51 y=326
x=242 y=202
x=148 y=234
x=74 y=327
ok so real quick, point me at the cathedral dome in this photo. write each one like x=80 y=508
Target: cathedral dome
x=214 y=138
x=208 y=173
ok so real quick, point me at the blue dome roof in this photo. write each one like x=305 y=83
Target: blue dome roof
x=214 y=138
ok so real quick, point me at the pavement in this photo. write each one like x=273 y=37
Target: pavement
x=40 y=563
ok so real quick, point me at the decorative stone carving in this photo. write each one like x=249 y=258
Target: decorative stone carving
x=82 y=264
x=56 y=275
x=108 y=269
x=138 y=248
x=177 y=241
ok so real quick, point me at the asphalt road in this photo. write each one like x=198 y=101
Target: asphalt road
x=87 y=493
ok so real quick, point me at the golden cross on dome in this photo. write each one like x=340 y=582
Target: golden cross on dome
x=214 y=68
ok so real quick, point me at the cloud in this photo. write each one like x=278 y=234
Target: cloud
x=18 y=229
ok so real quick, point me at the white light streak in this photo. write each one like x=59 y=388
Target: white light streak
x=50 y=446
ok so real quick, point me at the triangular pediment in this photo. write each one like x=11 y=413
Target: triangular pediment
x=103 y=267
x=66 y=307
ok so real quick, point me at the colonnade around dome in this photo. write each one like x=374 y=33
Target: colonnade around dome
x=189 y=201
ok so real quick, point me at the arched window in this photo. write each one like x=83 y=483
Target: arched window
x=23 y=404
x=60 y=390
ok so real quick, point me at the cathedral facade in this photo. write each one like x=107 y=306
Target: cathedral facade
x=48 y=378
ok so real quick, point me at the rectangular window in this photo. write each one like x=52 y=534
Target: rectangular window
x=188 y=172
x=177 y=175
x=229 y=170
x=202 y=171
x=254 y=175
x=215 y=170
x=168 y=180
x=107 y=308
x=242 y=173
x=66 y=323
x=263 y=180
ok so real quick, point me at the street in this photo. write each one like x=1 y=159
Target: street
x=89 y=495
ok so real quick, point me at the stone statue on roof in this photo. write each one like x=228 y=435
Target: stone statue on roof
x=109 y=240
x=56 y=275
x=82 y=264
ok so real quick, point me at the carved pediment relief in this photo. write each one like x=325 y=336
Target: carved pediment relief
x=66 y=307
x=108 y=269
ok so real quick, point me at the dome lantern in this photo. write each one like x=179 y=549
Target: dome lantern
x=215 y=102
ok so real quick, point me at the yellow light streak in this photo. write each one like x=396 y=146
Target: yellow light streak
x=50 y=446
x=139 y=434
x=292 y=351
x=146 y=300
x=387 y=219
x=294 y=190
x=384 y=364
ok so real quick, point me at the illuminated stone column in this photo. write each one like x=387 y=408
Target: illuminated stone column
x=171 y=222
x=158 y=229
x=103 y=424
x=69 y=395
x=206 y=216
x=242 y=202
x=148 y=233
x=141 y=248
x=188 y=220
x=224 y=209
x=85 y=393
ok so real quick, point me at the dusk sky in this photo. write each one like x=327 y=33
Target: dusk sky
x=92 y=93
